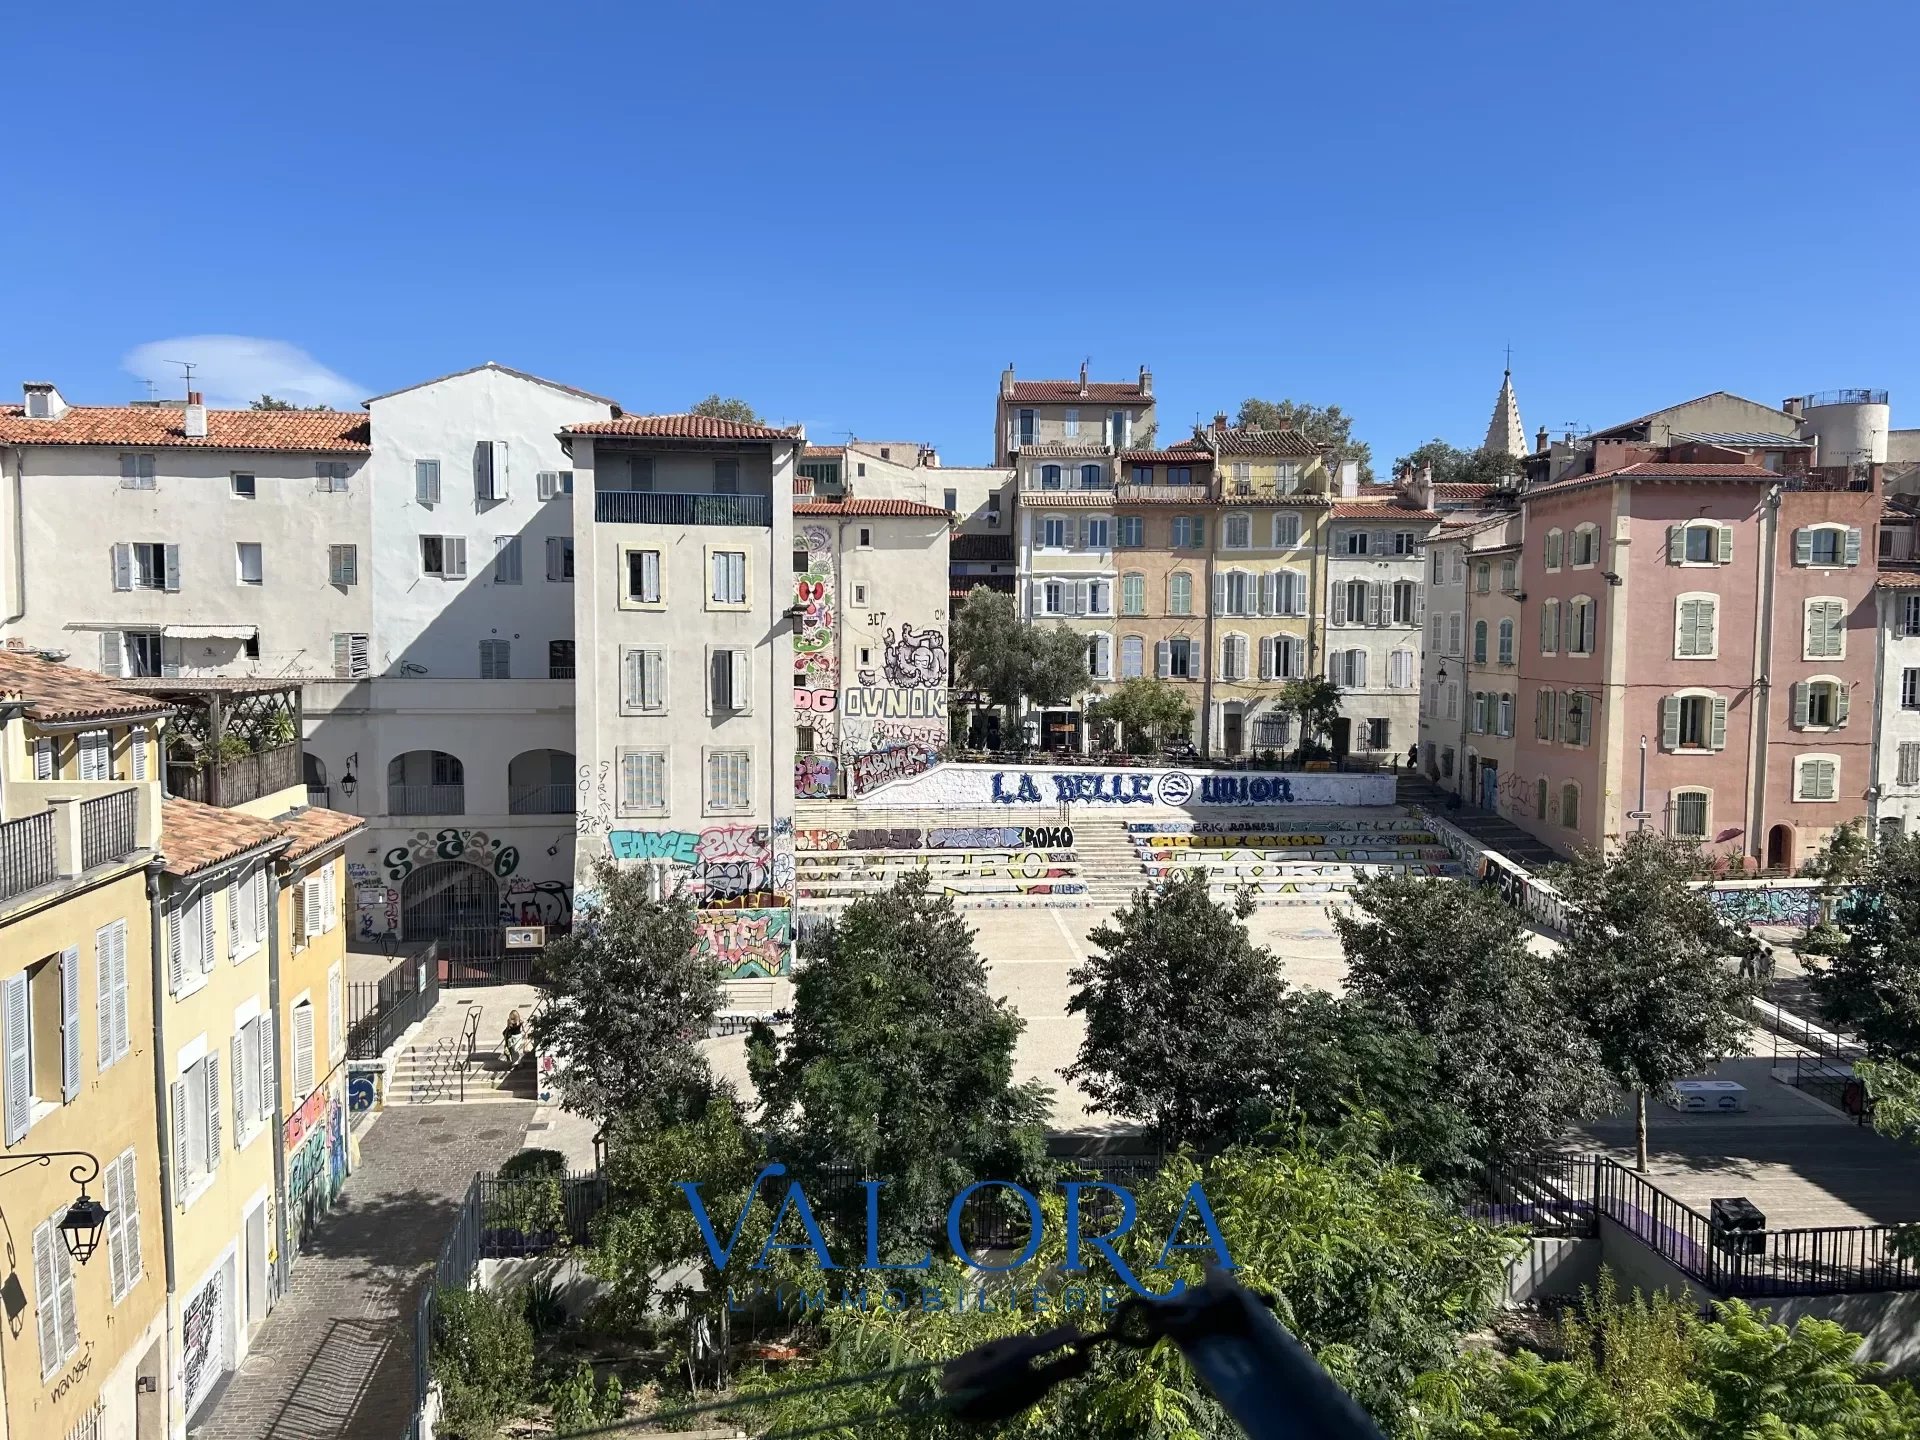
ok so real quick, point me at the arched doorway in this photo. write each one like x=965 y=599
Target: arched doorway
x=1780 y=848
x=313 y=771
x=455 y=903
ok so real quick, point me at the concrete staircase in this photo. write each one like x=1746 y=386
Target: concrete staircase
x=1108 y=860
x=1492 y=831
x=983 y=858
x=1290 y=859
x=449 y=1061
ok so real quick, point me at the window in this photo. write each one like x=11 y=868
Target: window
x=136 y=472
x=1233 y=593
x=1237 y=532
x=195 y=1107
x=1570 y=805
x=1509 y=576
x=1179 y=474
x=1479 y=642
x=330 y=476
x=1540 y=799
x=1049 y=477
x=1090 y=477
x=950 y=501
x=1549 y=627
x=1026 y=427
x=1178 y=658
x=1286 y=477
x=1289 y=593
x=350 y=657
x=551 y=484
x=560 y=559
x=1053 y=533
x=1233 y=657
x=444 y=556
x=1180 y=593
x=1405 y=542
x=247 y=562
x=1820 y=704
x=866 y=538
x=1477 y=714
x=727 y=572
x=643 y=782
x=1576 y=721
x=1910 y=688
x=642 y=580
x=1071 y=424
x=726 y=477
x=1133 y=657
x=1133 y=594
x=1286 y=530
x=1826 y=545
x=1456 y=625
x=1693 y=721
x=1543 y=716
x=1816 y=777
x=1697 y=543
x=643 y=683
x=490 y=470
x=1094 y=533
x=343 y=565
x=1242 y=473
x=53 y=1295
x=1099 y=597
x=243 y=486
x=1119 y=428
x=1141 y=475
x=1482 y=578
x=729 y=780
x=1506 y=713
x=1377 y=734
x=1131 y=531
x=1439 y=567
x=426 y=482
x=1348 y=668
x=303 y=1049
x=190 y=948
x=1400 y=669
x=1100 y=657
x=1910 y=615
x=506 y=559
x=496 y=660
x=1580 y=626
x=111 y=1037
x=1350 y=602
x=1271 y=730
x=125 y=1264
x=730 y=681
x=1355 y=542
x=95 y=755
x=1690 y=814
x=1909 y=763
x=1586 y=546
x=560 y=659
x=1826 y=632
x=1552 y=548
x=1696 y=627
x=639 y=473
x=142 y=565
x=860 y=594
x=1053 y=598
x=1189 y=532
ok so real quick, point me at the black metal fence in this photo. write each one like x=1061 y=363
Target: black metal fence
x=27 y=855
x=636 y=507
x=1549 y=1194
x=108 y=827
x=379 y=1013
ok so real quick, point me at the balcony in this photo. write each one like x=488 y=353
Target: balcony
x=109 y=827
x=1164 y=494
x=645 y=507
x=541 y=800
x=236 y=778
x=427 y=799
x=27 y=859
x=1068 y=484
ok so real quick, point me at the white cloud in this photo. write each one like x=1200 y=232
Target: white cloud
x=232 y=371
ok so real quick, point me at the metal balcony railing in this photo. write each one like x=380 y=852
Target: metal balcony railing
x=427 y=799
x=26 y=854
x=108 y=827
x=554 y=799
x=645 y=507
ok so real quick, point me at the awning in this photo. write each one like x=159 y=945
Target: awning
x=210 y=632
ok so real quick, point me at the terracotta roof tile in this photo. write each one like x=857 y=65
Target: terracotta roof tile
x=989 y=549
x=1659 y=470
x=314 y=829
x=1054 y=450
x=163 y=426
x=1375 y=510
x=1064 y=391
x=823 y=452
x=1463 y=492
x=1897 y=576
x=1073 y=499
x=681 y=427
x=195 y=836
x=55 y=693
x=869 y=507
x=1237 y=441
x=1167 y=457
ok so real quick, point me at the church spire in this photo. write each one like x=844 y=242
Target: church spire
x=1505 y=434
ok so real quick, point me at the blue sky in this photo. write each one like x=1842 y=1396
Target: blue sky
x=855 y=215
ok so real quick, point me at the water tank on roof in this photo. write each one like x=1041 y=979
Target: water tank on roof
x=1850 y=425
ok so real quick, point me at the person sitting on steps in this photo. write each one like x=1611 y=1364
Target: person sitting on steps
x=510 y=1038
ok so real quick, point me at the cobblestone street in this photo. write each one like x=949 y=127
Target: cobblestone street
x=335 y=1358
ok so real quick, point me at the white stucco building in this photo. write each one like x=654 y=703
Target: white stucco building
x=684 y=619
x=1894 y=800
x=1375 y=608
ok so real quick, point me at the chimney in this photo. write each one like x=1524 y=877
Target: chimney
x=1349 y=479
x=1083 y=379
x=1792 y=405
x=1006 y=382
x=195 y=417
x=43 y=401
x=1146 y=383
x=1219 y=421
x=1540 y=442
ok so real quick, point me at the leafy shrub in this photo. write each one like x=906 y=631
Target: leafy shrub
x=482 y=1357
x=533 y=1162
x=544 y=1311
x=578 y=1404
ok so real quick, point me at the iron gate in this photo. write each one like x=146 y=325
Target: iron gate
x=458 y=905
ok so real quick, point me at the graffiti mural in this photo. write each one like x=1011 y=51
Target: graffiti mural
x=814 y=775
x=816 y=665
x=1767 y=904
x=870 y=771
x=315 y=1143
x=200 y=1324
x=376 y=904
x=725 y=867
x=537 y=902
x=917 y=659
x=939 y=837
x=747 y=944
x=476 y=847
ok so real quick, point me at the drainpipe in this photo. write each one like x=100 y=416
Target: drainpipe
x=20 y=533
x=283 y=1266
x=157 y=947
x=1883 y=616
x=1763 y=682
x=1207 y=659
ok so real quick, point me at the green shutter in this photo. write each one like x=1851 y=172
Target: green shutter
x=1718 y=739
x=1801 y=701
x=1803 y=547
x=1853 y=545
x=1726 y=544
x=1676 y=543
x=1842 y=699
x=1670 y=722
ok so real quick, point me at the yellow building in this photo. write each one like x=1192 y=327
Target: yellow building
x=83 y=1353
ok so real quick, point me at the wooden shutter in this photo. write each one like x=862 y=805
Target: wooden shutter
x=137 y=739
x=18 y=1079
x=483 y=482
x=1676 y=544
x=233 y=917
x=1842 y=702
x=554 y=542
x=311 y=906
x=453 y=557
x=1374 y=598
x=176 y=925
x=1267 y=587
x=70 y=1023
x=203 y=903
x=172 y=555
x=259 y=899
x=1717 y=739
x=1803 y=546
x=212 y=1062
x=183 y=1169
x=46 y=1297
x=336 y=1031
x=426 y=482
x=104 y=1029
x=1162 y=658
x=243 y=1117
x=302 y=1050
x=135 y=1264
x=1670 y=722
x=123 y=566
x=116 y=1238
x=111 y=662
x=1723 y=544
x=740 y=680
x=269 y=1037
x=330 y=894
x=1853 y=545
x=650 y=576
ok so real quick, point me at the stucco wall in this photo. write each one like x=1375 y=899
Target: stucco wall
x=1039 y=787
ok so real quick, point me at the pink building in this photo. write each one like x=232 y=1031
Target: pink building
x=1716 y=616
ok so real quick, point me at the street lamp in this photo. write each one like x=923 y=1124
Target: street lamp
x=80 y=1227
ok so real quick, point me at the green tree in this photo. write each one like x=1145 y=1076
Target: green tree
x=628 y=999
x=1895 y=1089
x=1454 y=466
x=1453 y=963
x=1180 y=1007
x=272 y=402
x=1316 y=700
x=1148 y=710
x=899 y=1063
x=1645 y=969
x=1376 y=1274
x=1870 y=986
x=1010 y=661
x=1324 y=425
x=721 y=407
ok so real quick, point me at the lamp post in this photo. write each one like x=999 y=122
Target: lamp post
x=80 y=1227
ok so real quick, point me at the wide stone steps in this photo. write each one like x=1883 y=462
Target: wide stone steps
x=433 y=1077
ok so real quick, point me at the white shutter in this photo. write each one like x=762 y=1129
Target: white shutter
x=1266 y=657
x=260 y=904
x=268 y=1039
x=104 y=1032
x=233 y=918
x=310 y=906
x=336 y=1027
x=172 y=555
x=111 y=662
x=650 y=576
x=123 y=566
x=1266 y=593
x=1162 y=658
x=45 y=1297
x=203 y=903
x=1373 y=604
x=1220 y=594
x=134 y=1265
x=70 y=1023
x=122 y=1039
x=331 y=874
x=453 y=557
x=116 y=1242
x=242 y=1114
x=137 y=740
x=302 y=1050
x=15 y=1024
x=176 y=947
x=43 y=758
x=740 y=680
x=183 y=1168
x=212 y=1062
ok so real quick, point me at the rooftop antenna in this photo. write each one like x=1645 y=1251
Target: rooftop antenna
x=188 y=367
x=153 y=390
x=1509 y=365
